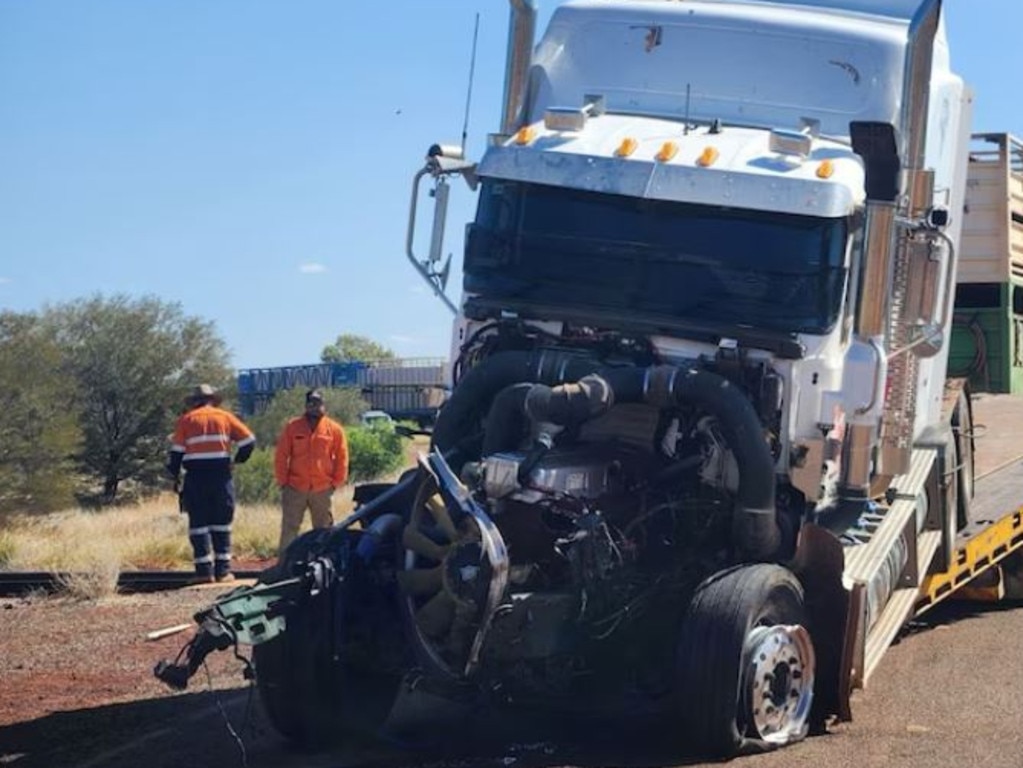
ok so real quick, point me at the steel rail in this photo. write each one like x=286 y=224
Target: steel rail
x=18 y=583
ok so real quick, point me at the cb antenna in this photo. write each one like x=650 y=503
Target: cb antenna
x=472 y=73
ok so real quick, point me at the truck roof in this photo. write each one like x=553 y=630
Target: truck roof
x=744 y=63
x=898 y=9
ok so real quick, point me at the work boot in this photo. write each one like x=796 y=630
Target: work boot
x=203 y=578
x=225 y=577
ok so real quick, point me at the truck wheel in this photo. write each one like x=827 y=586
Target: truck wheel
x=290 y=680
x=962 y=427
x=745 y=663
x=311 y=697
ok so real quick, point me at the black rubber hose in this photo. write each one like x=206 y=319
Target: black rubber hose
x=505 y=425
x=458 y=419
x=515 y=406
x=756 y=526
x=756 y=532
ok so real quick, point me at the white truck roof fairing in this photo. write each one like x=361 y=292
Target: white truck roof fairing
x=897 y=9
x=746 y=173
x=744 y=63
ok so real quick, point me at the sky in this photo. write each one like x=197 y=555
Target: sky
x=252 y=160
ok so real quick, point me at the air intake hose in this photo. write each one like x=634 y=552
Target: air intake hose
x=502 y=382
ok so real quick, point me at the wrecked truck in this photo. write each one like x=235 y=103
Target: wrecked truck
x=701 y=449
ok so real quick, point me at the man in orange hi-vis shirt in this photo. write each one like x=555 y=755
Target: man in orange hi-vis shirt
x=201 y=445
x=310 y=461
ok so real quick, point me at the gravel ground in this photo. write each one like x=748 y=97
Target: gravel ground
x=76 y=689
x=59 y=657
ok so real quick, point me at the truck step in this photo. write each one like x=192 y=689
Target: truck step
x=896 y=613
x=900 y=607
x=864 y=561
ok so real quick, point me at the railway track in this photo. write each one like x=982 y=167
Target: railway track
x=18 y=583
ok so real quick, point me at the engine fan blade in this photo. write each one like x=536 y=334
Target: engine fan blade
x=434 y=619
x=435 y=504
x=422 y=545
x=421 y=581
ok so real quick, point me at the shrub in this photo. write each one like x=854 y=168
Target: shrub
x=373 y=453
x=254 y=481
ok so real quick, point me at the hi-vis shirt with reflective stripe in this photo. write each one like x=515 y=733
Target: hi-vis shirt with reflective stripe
x=205 y=434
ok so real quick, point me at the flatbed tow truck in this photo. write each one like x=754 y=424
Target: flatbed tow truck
x=971 y=568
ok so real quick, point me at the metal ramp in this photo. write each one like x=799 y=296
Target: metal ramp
x=996 y=533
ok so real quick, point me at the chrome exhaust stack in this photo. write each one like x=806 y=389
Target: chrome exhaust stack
x=912 y=262
x=899 y=191
x=521 y=34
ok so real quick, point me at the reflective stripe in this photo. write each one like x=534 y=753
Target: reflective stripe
x=201 y=531
x=213 y=438
x=207 y=455
x=203 y=560
x=247 y=441
x=220 y=528
x=177 y=448
x=223 y=557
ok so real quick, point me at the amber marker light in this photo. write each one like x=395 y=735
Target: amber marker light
x=825 y=170
x=627 y=147
x=668 y=150
x=708 y=157
x=525 y=135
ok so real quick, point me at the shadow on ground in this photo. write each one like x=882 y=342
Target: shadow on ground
x=227 y=729
x=954 y=611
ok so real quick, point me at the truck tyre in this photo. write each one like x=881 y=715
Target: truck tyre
x=310 y=697
x=745 y=665
x=291 y=673
x=962 y=428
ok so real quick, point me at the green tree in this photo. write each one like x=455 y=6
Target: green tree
x=349 y=347
x=344 y=404
x=38 y=432
x=133 y=361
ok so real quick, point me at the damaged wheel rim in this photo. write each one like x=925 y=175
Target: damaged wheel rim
x=778 y=676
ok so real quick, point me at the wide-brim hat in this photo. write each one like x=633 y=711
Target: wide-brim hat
x=204 y=392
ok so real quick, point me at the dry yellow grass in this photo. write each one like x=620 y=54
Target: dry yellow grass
x=93 y=547
x=148 y=536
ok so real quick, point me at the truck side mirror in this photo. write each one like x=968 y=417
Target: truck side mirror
x=442 y=160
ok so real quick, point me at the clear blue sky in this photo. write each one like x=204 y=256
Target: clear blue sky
x=253 y=159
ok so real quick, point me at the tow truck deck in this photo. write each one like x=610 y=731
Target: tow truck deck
x=884 y=556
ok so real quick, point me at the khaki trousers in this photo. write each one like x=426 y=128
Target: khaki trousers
x=293 y=506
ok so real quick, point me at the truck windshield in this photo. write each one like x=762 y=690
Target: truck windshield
x=581 y=250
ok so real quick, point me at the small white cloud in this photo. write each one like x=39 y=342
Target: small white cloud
x=5 y=280
x=312 y=268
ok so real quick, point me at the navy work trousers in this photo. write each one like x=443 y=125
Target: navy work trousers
x=209 y=500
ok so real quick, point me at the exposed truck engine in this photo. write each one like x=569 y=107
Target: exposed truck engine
x=699 y=434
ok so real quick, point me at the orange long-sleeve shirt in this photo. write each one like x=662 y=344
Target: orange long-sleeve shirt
x=311 y=459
